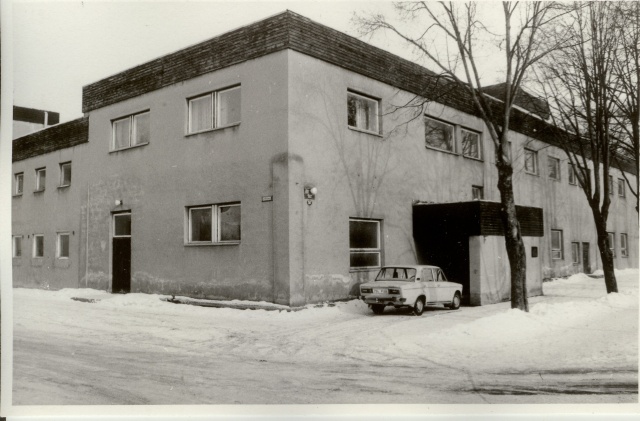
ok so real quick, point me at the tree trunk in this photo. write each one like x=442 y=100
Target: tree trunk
x=605 y=252
x=513 y=239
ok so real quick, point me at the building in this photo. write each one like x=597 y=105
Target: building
x=265 y=164
x=29 y=120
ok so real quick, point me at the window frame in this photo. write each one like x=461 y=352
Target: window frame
x=367 y=250
x=118 y=215
x=477 y=188
x=611 y=236
x=573 y=175
x=18 y=191
x=622 y=188
x=453 y=135
x=215 y=109
x=16 y=239
x=559 y=256
x=374 y=100
x=132 y=130
x=64 y=165
x=215 y=224
x=536 y=164
x=59 y=236
x=575 y=252
x=611 y=191
x=624 y=245
x=557 y=166
x=35 y=246
x=39 y=187
x=479 y=145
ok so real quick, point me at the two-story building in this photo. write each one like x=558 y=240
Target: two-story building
x=270 y=163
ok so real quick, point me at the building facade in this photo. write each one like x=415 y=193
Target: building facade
x=267 y=164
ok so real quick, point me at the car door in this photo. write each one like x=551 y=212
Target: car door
x=444 y=289
x=430 y=287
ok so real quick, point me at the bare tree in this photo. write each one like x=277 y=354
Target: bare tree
x=521 y=43
x=582 y=88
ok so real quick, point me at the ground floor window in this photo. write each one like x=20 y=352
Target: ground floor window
x=17 y=246
x=214 y=223
x=38 y=245
x=477 y=193
x=556 y=245
x=62 y=246
x=612 y=242
x=575 y=253
x=624 y=251
x=364 y=243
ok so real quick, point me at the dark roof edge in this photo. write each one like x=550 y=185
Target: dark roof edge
x=61 y=136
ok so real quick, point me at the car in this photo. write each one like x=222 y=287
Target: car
x=413 y=286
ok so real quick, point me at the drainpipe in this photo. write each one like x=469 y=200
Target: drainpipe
x=86 y=253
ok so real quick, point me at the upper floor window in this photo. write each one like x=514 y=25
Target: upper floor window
x=131 y=131
x=470 y=144
x=624 y=248
x=215 y=109
x=611 y=237
x=41 y=178
x=530 y=161
x=439 y=135
x=214 y=223
x=364 y=243
x=19 y=183
x=554 y=168
x=621 y=188
x=362 y=112
x=65 y=174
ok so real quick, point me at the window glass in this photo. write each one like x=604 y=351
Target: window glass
x=364 y=259
x=200 y=224
x=201 y=113
x=572 y=175
x=63 y=245
x=427 y=275
x=228 y=107
x=438 y=134
x=17 y=246
x=575 y=252
x=363 y=234
x=531 y=161
x=621 y=187
x=556 y=244
x=229 y=223
x=477 y=193
x=41 y=178
x=121 y=133
x=65 y=174
x=362 y=112
x=611 y=185
x=141 y=129
x=19 y=183
x=612 y=242
x=554 y=168
x=38 y=246
x=624 y=252
x=470 y=144
x=122 y=225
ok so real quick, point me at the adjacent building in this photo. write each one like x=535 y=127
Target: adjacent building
x=271 y=163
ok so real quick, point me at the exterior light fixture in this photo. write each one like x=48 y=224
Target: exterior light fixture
x=310 y=194
x=118 y=202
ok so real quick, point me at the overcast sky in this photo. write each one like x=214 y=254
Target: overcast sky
x=61 y=46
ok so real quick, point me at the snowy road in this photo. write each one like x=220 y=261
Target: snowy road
x=576 y=345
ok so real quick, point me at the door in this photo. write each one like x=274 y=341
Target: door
x=121 y=253
x=585 y=258
x=429 y=282
x=444 y=288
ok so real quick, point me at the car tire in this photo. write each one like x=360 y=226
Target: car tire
x=418 y=307
x=455 y=302
x=377 y=308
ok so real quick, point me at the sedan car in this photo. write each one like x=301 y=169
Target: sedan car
x=413 y=286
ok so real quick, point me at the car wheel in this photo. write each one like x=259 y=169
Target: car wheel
x=418 y=307
x=455 y=302
x=377 y=308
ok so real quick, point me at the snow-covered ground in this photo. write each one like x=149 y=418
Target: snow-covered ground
x=575 y=328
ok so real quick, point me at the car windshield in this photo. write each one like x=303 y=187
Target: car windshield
x=396 y=274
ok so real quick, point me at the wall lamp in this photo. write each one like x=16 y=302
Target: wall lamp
x=118 y=202
x=310 y=194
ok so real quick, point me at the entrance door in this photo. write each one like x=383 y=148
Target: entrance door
x=585 y=258
x=121 y=253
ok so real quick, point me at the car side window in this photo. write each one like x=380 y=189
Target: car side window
x=427 y=275
x=441 y=277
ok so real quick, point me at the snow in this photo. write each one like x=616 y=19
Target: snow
x=574 y=326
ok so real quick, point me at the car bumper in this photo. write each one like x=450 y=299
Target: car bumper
x=386 y=300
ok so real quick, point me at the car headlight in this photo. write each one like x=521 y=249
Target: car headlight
x=366 y=290
x=394 y=290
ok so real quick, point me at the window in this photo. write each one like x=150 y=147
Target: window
x=621 y=188
x=215 y=109
x=62 y=246
x=554 y=168
x=38 y=245
x=364 y=243
x=509 y=151
x=573 y=177
x=130 y=131
x=575 y=253
x=65 y=174
x=362 y=112
x=530 y=161
x=214 y=224
x=477 y=193
x=610 y=185
x=470 y=143
x=439 y=135
x=612 y=242
x=19 y=183
x=624 y=251
x=556 y=245
x=41 y=178
x=122 y=225
x=17 y=246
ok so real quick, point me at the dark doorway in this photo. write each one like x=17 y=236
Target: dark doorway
x=121 y=256
x=585 y=258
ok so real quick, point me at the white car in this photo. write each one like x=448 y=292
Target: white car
x=412 y=286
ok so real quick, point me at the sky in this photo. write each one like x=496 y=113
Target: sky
x=61 y=46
